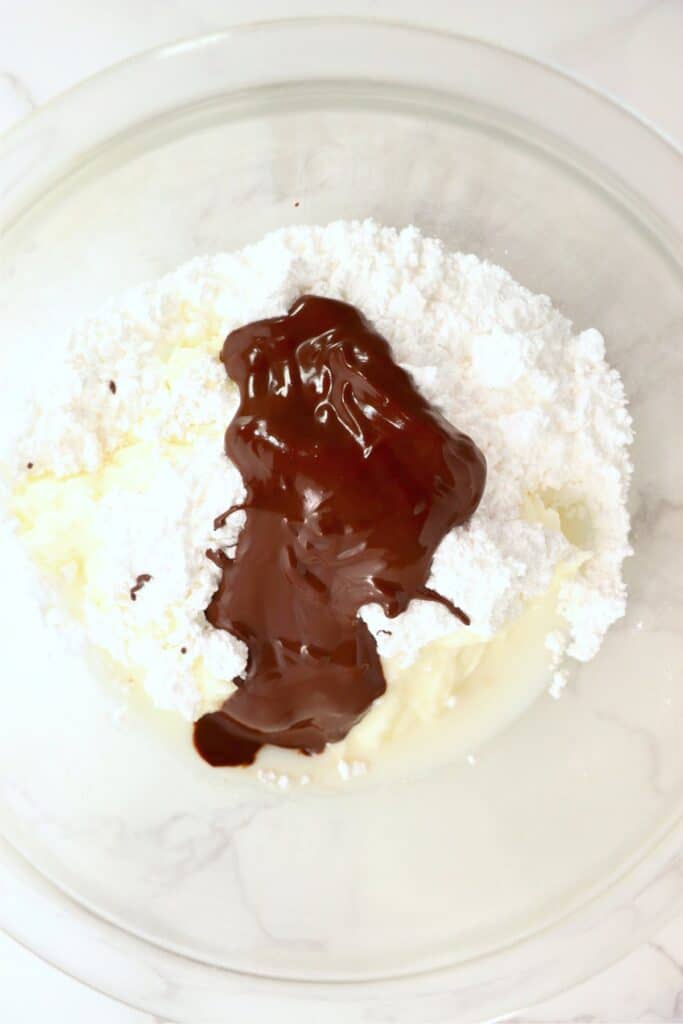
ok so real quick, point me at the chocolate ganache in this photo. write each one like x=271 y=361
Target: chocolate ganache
x=352 y=480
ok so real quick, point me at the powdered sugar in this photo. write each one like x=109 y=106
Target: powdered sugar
x=502 y=364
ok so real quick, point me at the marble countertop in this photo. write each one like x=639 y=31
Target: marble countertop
x=628 y=48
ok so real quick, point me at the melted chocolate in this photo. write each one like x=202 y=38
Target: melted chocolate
x=352 y=481
x=140 y=581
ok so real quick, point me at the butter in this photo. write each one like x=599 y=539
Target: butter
x=62 y=526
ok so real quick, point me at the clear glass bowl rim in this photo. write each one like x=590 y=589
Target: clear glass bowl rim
x=651 y=889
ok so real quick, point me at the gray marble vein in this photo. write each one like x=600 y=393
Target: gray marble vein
x=16 y=100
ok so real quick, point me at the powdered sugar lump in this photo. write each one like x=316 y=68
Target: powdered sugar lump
x=500 y=362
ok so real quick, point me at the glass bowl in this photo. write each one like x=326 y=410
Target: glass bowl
x=477 y=888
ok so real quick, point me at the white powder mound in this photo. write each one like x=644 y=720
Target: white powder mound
x=499 y=362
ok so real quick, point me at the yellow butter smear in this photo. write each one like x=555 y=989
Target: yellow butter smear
x=61 y=526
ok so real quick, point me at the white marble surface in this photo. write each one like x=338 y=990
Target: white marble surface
x=630 y=48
